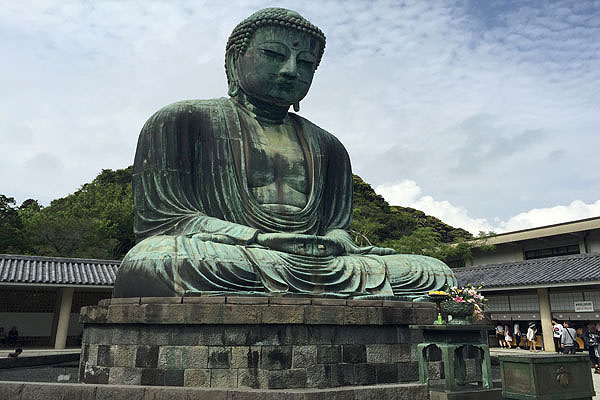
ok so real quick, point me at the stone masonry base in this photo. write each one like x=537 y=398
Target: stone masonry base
x=251 y=342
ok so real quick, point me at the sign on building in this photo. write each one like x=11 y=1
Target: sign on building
x=584 y=306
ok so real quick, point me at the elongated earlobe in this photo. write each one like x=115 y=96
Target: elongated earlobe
x=297 y=106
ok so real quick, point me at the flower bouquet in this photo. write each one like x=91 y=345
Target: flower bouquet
x=462 y=303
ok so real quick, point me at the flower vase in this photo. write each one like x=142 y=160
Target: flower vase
x=460 y=311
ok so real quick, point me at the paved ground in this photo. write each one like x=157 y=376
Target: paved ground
x=595 y=377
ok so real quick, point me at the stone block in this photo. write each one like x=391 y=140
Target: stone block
x=125 y=334
x=194 y=357
x=365 y=374
x=219 y=357
x=196 y=377
x=276 y=357
x=304 y=356
x=247 y=357
x=283 y=314
x=252 y=378
x=43 y=391
x=211 y=335
x=242 y=335
x=170 y=357
x=408 y=371
x=104 y=355
x=342 y=375
x=397 y=304
x=386 y=373
x=364 y=303
x=424 y=315
x=124 y=376
x=223 y=378
x=246 y=300
x=155 y=335
x=174 y=377
x=201 y=313
x=92 y=354
x=278 y=335
x=146 y=356
x=156 y=313
x=104 y=302
x=205 y=299
x=328 y=302
x=329 y=354
x=95 y=375
x=397 y=315
x=289 y=300
x=185 y=335
x=11 y=390
x=92 y=314
x=354 y=353
x=105 y=392
x=323 y=315
x=163 y=393
x=242 y=314
x=318 y=376
x=357 y=316
x=124 y=313
x=125 y=300
x=287 y=379
x=161 y=300
x=380 y=353
x=122 y=355
x=153 y=377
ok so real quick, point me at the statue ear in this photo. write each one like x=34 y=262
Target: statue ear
x=232 y=78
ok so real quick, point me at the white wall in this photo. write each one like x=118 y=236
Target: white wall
x=36 y=324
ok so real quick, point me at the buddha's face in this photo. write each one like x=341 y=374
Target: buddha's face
x=278 y=65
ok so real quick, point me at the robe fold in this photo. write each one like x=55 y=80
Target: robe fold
x=196 y=220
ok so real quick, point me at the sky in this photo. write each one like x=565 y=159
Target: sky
x=482 y=113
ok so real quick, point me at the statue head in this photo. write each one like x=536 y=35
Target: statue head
x=272 y=55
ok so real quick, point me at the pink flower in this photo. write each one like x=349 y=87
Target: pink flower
x=458 y=299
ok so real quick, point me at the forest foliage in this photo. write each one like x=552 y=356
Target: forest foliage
x=97 y=222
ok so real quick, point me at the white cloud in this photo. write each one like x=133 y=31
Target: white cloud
x=408 y=194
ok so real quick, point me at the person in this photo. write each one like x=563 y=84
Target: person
x=13 y=336
x=557 y=330
x=2 y=336
x=238 y=195
x=531 y=336
x=593 y=342
x=568 y=339
x=508 y=336
x=517 y=334
x=16 y=353
x=500 y=334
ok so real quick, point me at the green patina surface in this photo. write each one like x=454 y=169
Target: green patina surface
x=238 y=195
x=546 y=377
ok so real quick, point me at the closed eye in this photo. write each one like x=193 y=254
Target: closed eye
x=273 y=54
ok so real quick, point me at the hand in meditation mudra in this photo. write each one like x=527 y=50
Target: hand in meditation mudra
x=238 y=195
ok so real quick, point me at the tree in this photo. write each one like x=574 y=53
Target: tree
x=11 y=227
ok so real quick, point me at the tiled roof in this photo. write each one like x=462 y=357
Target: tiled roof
x=543 y=271
x=55 y=270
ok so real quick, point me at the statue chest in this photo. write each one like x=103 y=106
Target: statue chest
x=276 y=167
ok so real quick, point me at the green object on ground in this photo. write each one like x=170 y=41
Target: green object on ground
x=452 y=340
x=546 y=376
x=238 y=195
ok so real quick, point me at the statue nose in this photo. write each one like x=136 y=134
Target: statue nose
x=289 y=69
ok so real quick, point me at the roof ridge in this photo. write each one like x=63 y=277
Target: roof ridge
x=62 y=259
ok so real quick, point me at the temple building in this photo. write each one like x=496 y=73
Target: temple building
x=540 y=274
x=42 y=297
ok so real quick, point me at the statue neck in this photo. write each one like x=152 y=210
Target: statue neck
x=262 y=111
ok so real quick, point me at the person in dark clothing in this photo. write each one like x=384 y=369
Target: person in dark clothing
x=13 y=336
x=16 y=353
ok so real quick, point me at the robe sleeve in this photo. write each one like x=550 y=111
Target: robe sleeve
x=172 y=193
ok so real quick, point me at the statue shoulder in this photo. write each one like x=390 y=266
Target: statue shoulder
x=318 y=133
x=185 y=109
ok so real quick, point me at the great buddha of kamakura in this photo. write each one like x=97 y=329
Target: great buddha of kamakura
x=239 y=195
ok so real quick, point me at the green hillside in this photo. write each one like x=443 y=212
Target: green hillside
x=97 y=222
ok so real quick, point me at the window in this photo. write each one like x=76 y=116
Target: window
x=497 y=303
x=524 y=302
x=552 y=252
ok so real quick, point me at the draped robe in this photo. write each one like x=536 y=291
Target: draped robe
x=196 y=220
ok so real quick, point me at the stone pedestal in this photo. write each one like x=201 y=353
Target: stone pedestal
x=251 y=342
